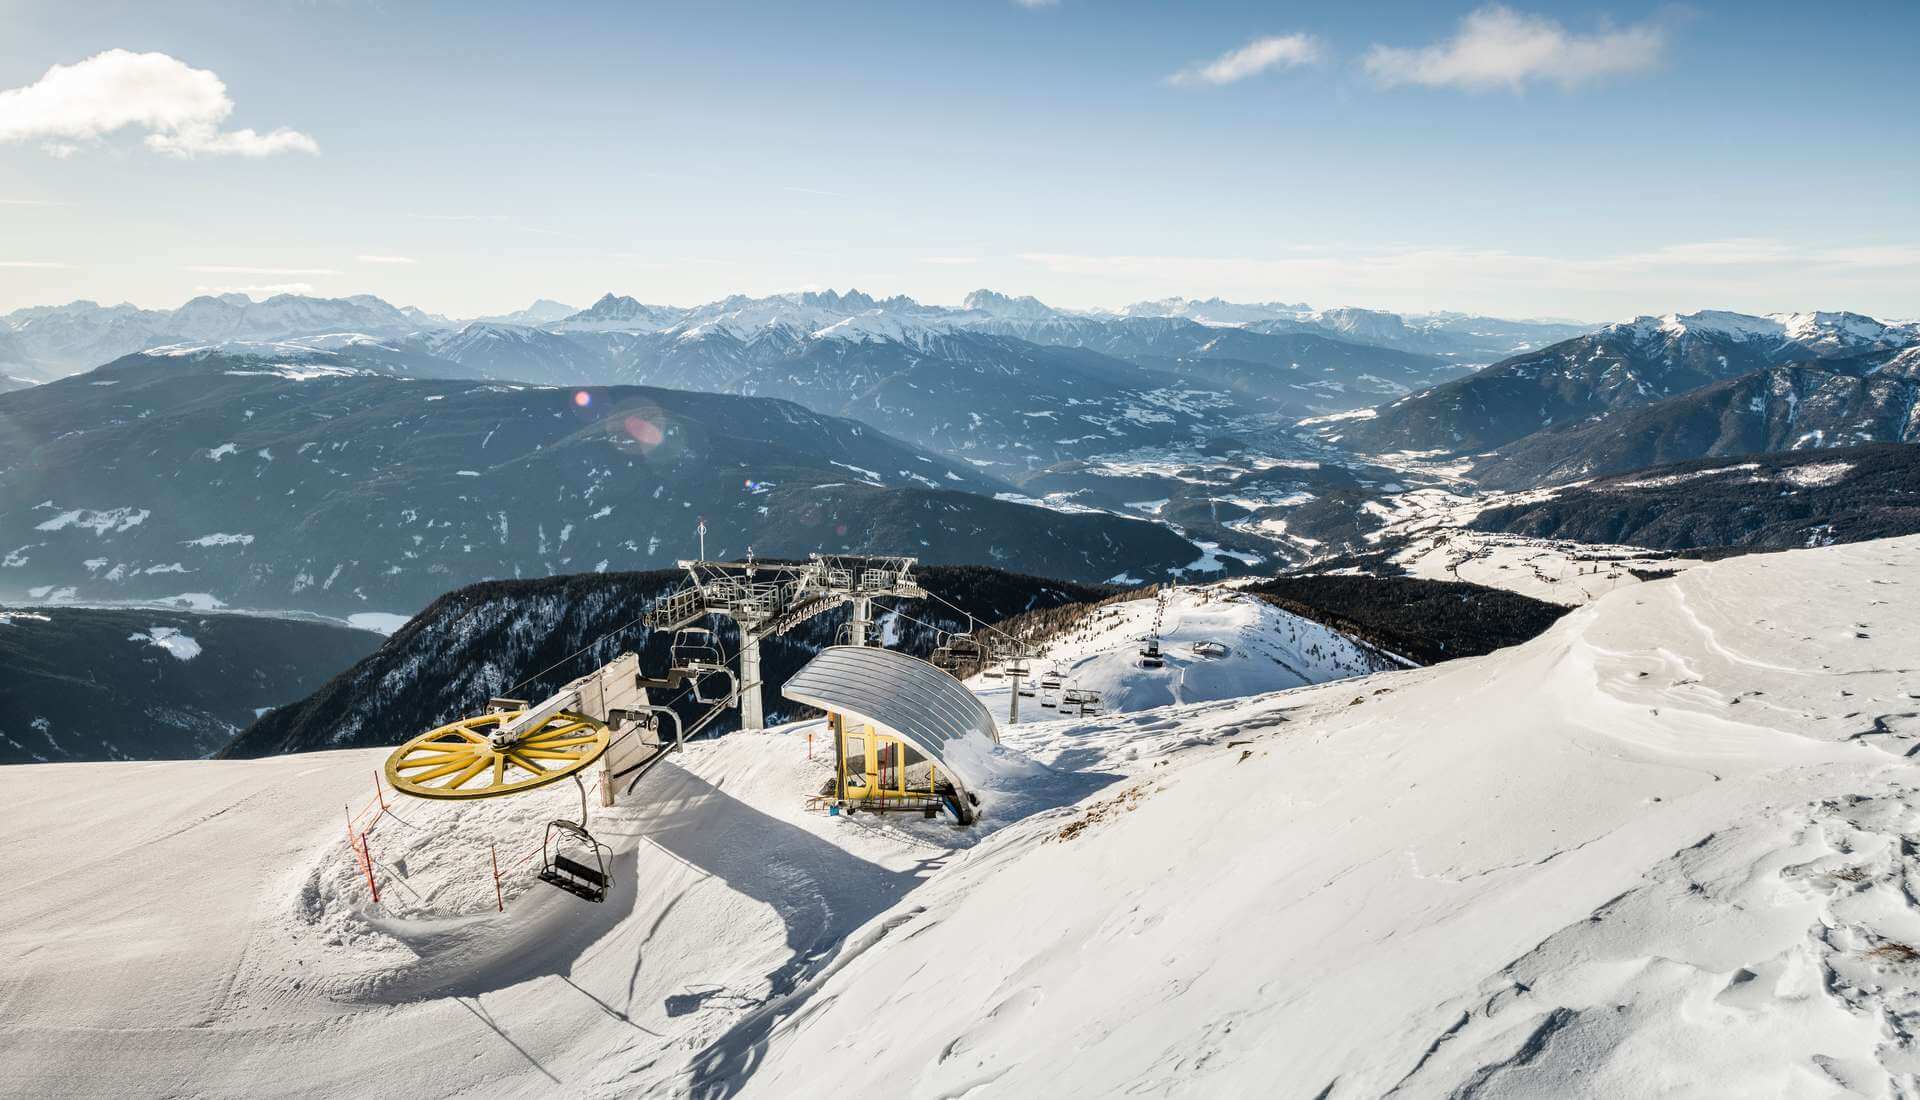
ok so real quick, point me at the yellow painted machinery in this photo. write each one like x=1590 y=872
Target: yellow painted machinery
x=499 y=752
x=515 y=746
x=877 y=772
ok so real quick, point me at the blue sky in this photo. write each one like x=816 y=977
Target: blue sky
x=1638 y=157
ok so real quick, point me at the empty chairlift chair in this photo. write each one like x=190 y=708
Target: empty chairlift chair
x=959 y=654
x=1150 y=654
x=586 y=873
x=694 y=648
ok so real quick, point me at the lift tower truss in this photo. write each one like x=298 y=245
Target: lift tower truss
x=766 y=598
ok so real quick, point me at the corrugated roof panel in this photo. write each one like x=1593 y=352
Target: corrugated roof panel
x=923 y=705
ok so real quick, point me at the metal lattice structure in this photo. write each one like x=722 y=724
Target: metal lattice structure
x=768 y=598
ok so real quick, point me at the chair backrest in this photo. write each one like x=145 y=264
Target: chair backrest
x=580 y=871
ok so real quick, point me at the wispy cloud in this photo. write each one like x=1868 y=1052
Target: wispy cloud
x=1498 y=47
x=1702 y=270
x=235 y=269
x=256 y=291
x=949 y=261
x=461 y=217
x=1872 y=255
x=814 y=191
x=181 y=108
x=1037 y=3
x=370 y=259
x=30 y=263
x=1275 y=51
x=32 y=202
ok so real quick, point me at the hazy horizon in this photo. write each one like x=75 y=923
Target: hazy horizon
x=1550 y=159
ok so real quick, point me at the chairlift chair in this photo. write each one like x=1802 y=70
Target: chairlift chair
x=694 y=647
x=956 y=652
x=1150 y=654
x=586 y=880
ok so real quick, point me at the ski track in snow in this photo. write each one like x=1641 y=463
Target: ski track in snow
x=1660 y=850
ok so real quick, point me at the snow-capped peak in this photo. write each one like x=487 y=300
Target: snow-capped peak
x=1215 y=311
x=1001 y=306
x=1821 y=332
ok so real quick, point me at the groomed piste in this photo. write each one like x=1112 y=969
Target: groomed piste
x=1658 y=850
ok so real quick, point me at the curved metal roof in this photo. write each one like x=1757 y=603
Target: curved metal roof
x=907 y=696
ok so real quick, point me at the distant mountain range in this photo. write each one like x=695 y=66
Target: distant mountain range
x=1008 y=382
x=1621 y=367
x=46 y=342
x=258 y=482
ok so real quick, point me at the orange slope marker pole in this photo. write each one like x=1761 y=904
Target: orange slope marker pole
x=499 y=899
x=366 y=863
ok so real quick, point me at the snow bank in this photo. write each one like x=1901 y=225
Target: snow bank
x=380 y=622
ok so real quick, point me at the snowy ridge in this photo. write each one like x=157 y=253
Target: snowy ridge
x=1668 y=861
x=1821 y=332
x=1657 y=850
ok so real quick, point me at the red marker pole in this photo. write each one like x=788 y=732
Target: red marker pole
x=499 y=899
x=366 y=861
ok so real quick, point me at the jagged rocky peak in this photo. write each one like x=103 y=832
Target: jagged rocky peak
x=1023 y=308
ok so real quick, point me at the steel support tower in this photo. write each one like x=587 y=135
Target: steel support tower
x=766 y=598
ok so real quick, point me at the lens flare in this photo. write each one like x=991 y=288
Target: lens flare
x=644 y=432
x=582 y=398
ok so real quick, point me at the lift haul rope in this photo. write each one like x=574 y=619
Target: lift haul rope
x=576 y=653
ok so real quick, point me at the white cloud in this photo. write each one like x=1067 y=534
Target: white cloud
x=1037 y=3
x=1498 y=47
x=949 y=261
x=258 y=291
x=1257 y=56
x=31 y=263
x=1872 y=255
x=231 y=269
x=32 y=202
x=387 y=259
x=179 y=106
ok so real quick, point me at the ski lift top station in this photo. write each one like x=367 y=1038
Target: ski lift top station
x=905 y=730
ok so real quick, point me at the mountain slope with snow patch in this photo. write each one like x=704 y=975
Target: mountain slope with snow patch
x=1215 y=643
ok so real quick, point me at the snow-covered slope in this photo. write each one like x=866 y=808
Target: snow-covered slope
x=1216 y=643
x=1658 y=850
